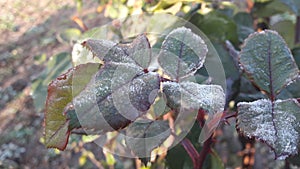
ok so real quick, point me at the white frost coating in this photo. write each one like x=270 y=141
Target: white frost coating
x=255 y=120
x=209 y=97
x=99 y=47
x=194 y=96
x=184 y=55
x=288 y=119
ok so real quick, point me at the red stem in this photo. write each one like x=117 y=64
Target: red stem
x=198 y=159
x=205 y=150
x=193 y=153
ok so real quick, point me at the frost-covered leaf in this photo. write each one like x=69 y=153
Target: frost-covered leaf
x=143 y=136
x=138 y=51
x=268 y=61
x=182 y=53
x=57 y=127
x=194 y=96
x=107 y=51
x=118 y=94
x=277 y=124
x=189 y=97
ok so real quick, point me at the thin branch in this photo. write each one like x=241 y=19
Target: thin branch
x=201 y=117
x=206 y=146
x=205 y=150
x=193 y=153
x=226 y=116
x=234 y=54
x=287 y=164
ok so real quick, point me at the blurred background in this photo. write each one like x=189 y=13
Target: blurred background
x=36 y=43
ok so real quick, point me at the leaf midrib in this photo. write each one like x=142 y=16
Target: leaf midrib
x=272 y=95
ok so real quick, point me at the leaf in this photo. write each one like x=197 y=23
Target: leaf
x=56 y=65
x=117 y=95
x=286 y=29
x=194 y=96
x=182 y=53
x=106 y=50
x=296 y=54
x=277 y=124
x=275 y=7
x=69 y=35
x=217 y=26
x=57 y=127
x=268 y=61
x=145 y=135
x=291 y=91
x=137 y=52
x=244 y=23
x=188 y=98
x=216 y=161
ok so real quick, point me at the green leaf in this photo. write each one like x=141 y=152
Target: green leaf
x=268 y=61
x=217 y=26
x=244 y=23
x=275 y=123
x=59 y=95
x=69 y=35
x=57 y=122
x=182 y=53
x=137 y=52
x=292 y=5
x=117 y=95
x=194 y=96
x=296 y=54
x=188 y=98
x=291 y=91
x=145 y=135
x=287 y=30
x=56 y=65
x=267 y=9
x=216 y=161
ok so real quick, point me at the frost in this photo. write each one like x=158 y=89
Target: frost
x=99 y=48
x=194 y=96
x=144 y=136
x=182 y=53
x=277 y=126
x=138 y=52
x=111 y=97
x=107 y=51
x=268 y=61
x=117 y=95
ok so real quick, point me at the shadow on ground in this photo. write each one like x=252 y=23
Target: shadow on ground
x=21 y=127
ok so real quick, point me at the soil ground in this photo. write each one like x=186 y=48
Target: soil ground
x=30 y=28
